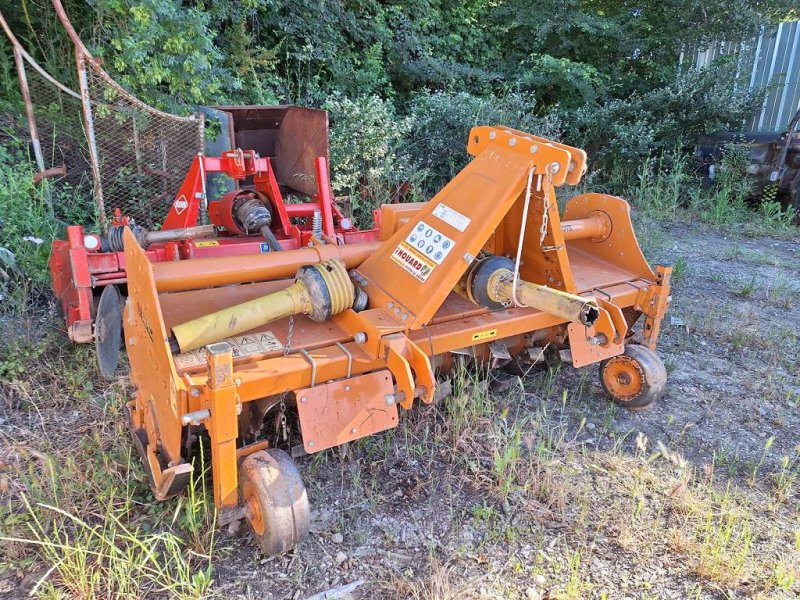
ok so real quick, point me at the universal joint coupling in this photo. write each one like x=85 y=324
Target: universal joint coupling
x=490 y=283
x=252 y=213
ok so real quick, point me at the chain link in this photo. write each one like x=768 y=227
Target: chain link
x=284 y=429
x=289 y=335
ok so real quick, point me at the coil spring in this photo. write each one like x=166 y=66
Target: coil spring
x=252 y=214
x=316 y=224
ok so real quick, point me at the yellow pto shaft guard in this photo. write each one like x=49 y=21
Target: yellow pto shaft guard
x=319 y=291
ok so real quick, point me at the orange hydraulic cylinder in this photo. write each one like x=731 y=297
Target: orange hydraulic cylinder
x=211 y=272
x=595 y=227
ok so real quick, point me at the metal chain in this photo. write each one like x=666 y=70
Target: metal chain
x=289 y=335
x=545 y=208
x=284 y=430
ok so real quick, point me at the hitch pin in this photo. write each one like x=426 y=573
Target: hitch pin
x=194 y=418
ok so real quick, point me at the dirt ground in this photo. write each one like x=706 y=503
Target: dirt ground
x=539 y=487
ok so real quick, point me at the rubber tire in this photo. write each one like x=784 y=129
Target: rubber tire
x=271 y=479
x=653 y=373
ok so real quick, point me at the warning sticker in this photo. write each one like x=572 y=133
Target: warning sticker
x=429 y=242
x=242 y=345
x=423 y=249
x=206 y=244
x=452 y=217
x=413 y=262
x=484 y=335
x=180 y=204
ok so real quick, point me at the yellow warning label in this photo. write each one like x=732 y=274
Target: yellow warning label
x=413 y=262
x=207 y=244
x=484 y=335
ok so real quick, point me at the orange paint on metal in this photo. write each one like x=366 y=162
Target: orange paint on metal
x=350 y=366
x=345 y=410
x=212 y=272
x=623 y=377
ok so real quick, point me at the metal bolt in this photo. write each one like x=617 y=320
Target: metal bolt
x=389 y=399
x=360 y=337
x=354 y=430
x=534 y=148
x=390 y=305
x=195 y=393
x=554 y=167
x=311 y=444
x=303 y=399
x=347 y=388
x=492 y=135
x=468 y=258
x=397 y=310
x=512 y=142
x=404 y=316
x=237 y=381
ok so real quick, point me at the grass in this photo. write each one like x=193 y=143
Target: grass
x=665 y=189
x=76 y=509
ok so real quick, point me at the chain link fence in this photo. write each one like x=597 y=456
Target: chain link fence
x=101 y=149
x=143 y=154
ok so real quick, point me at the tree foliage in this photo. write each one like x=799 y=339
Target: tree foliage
x=608 y=71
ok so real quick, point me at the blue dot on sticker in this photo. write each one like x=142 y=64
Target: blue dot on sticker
x=437 y=238
x=438 y=255
x=264 y=247
x=446 y=245
x=428 y=232
x=420 y=227
x=421 y=244
x=412 y=239
x=429 y=249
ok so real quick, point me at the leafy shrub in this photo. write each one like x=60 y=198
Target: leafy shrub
x=620 y=134
x=31 y=217
x=367 y=158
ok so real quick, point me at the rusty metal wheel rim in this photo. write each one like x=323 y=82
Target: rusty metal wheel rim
x=253 y=510
x=624 y=378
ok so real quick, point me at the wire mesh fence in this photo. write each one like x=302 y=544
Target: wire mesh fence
x=103 y=149
x=58 y=120
x=143 y=154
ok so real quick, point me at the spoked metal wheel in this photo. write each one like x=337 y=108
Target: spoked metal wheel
x=108 y=331
x=634 y=379
x=276 y=504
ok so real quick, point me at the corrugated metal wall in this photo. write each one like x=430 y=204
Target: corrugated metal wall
x=772 y=60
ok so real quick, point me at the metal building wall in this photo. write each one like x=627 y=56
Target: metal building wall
x=772 y=60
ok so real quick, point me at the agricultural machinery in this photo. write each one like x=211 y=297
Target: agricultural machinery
x=327 y=340
x=212 y=215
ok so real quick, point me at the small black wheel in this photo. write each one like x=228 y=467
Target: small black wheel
x=634 y=379
x=108 y=331
x=276 y=504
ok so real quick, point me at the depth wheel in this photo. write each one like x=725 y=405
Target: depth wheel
x=276 y=504
x=634 y=379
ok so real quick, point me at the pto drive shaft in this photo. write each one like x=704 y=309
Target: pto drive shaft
x=490 y=283
x=319 y=291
